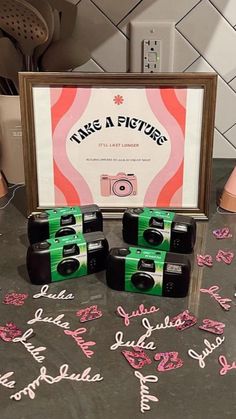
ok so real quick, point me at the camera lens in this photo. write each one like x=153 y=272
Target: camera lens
x=153 y=237
x=142 y=281
x=68 y=266
x=122 y=188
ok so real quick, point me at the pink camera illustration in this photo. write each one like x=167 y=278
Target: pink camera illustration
x=121 y=184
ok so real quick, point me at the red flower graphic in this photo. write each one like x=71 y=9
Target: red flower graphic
x=118 y=99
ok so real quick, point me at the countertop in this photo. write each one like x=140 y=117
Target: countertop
x=188 y=391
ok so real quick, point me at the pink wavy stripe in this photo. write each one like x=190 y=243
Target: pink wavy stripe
x=55 y=93
x=167 y=192
x=176 y=198
x=60 y=134
x=178 y=111
x=176 y=138
x=181 y=95
x=60 y=197
x=174 y=106
x=58 y=111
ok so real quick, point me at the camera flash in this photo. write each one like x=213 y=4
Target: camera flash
x=95 y=245
x=90 y=216
x=180 y=227
x=176 y=269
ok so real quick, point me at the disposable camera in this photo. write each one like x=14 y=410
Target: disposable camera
x=67 y=257
x=148 y=271
x=158 y=229
x=65 y=221
x=121 y=185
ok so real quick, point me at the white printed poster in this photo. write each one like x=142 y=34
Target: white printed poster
x=118 y=147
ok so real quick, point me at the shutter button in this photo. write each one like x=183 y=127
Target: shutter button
x=137 y=210
x=43 y=215
x=44 y=245
x=123 y=252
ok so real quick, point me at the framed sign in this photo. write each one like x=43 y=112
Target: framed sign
x=118 y=140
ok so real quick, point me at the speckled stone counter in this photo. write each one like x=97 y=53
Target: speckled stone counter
x=190 y=391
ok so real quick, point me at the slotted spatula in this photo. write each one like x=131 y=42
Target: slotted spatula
x=57 y=26
x=25 y=24
x=46 y=10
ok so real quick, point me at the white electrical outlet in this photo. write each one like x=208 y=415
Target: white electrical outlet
x=151 y=56
x=148 y=31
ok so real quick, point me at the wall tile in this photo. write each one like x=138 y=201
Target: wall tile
x=212 y=36
x=88 y=67
x=116 y=10
x=171 y=10
x=227 y=8
x=107 y=44
x=222 y=149
x=226 y=98
x=184 y=53
x=233 y=84
x=231 y=135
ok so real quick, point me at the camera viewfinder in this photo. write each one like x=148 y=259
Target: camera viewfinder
x=71 y=250
x=67 y=219
x=146 y=265
x=156 y=222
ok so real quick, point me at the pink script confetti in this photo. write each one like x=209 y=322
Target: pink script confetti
x=212 y=291
x=84 y=345
x=225 y=366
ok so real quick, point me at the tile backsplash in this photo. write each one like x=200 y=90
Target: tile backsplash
x=205 y=39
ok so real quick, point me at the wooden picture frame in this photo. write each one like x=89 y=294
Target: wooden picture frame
x=118 y=140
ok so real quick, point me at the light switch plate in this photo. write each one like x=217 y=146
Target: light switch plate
x=161 y=31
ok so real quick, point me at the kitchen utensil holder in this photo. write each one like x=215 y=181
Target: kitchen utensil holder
x=11 y=150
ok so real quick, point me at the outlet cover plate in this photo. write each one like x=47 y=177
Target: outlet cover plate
x=152 y=30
